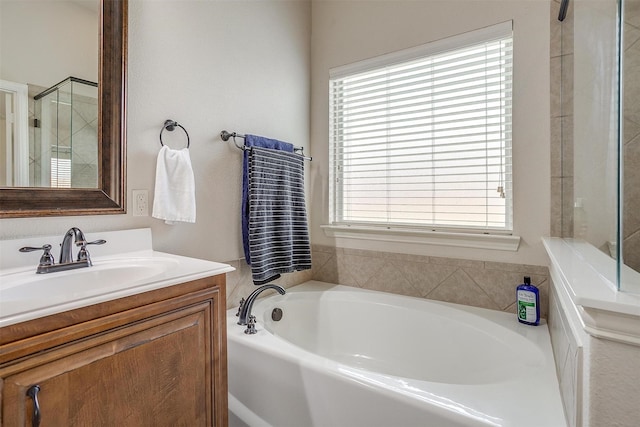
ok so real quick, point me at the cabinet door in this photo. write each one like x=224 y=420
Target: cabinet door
x=154 y=372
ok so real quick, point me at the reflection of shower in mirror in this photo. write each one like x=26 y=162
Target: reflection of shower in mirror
x=63 y=144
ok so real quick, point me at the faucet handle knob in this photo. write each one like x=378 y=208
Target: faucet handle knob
x=83 y=253
x=251 y=326
x=240 y=307
x=46 y=258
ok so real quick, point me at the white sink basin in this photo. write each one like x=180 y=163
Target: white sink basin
x=80 y=283
x=126 y=265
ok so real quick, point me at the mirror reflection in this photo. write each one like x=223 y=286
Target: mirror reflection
x=49 y=93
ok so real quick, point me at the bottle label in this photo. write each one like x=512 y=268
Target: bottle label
x=527 y=306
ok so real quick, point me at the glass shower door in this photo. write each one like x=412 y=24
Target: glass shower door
x=66 y=142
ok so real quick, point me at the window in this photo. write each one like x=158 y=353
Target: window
x=421 y=139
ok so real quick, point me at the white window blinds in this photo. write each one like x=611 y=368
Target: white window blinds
x=60 y=172
x=422 y=137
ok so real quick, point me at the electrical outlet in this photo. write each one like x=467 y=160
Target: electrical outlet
x=140 y=202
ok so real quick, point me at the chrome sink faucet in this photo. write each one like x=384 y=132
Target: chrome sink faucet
x=66 y=247
x=47 y=262
x=244 y=311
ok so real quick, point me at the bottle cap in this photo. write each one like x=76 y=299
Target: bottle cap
x=527 y=280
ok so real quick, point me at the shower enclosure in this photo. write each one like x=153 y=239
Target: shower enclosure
x=63 y=150
x=599 y=120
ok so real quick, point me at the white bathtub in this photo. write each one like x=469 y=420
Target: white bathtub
x=345 y=357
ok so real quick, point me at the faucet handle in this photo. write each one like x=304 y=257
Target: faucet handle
x=83 y=253
x=95 y=242
x=46 y=258
x=240 y=307
x=251 y=326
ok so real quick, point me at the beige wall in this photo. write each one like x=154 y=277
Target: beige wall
x=235 y=65
x=349 y=31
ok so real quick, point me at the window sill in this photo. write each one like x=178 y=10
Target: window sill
x=465 y=240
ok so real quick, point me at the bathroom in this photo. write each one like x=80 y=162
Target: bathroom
x=262 y=67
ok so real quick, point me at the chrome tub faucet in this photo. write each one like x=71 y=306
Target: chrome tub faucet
x=244 y=311
x=73 y=236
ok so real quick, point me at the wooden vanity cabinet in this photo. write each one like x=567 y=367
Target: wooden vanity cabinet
x=153 y=359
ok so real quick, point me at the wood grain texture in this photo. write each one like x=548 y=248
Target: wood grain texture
x=156 y=359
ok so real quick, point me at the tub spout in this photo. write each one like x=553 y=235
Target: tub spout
x=245 y=308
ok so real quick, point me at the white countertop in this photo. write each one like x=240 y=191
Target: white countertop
x=126 y=265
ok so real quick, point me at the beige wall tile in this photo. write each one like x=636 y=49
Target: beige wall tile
x=424 y=277
x=632 y=251
x=632 y=12
x=328 y=272
x=459 y=288
x=391 y=279
x=631 y=130
x=323 y=248
x=362 y=269
x=556 y=30
x=543 y=287
x=483 y=284
x=457 y=262
x=567 y=85
x=321 y=258
x=567 y=207
x=512 y=309
x=567 y=146
x=555 y=80
x=556 y=147
x=525 y=269
x=631 y=188
x=567 y=31
x=500 y=286
x=406 y=257
x=556 y=207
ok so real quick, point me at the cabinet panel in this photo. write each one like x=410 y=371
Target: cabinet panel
x=160 y=369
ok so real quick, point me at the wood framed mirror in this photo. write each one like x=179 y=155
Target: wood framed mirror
x=110 y=195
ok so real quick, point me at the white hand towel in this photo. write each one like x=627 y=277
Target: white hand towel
x=175 y=193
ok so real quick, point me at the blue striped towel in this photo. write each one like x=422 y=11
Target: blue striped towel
x=278 y=232
x=254 y=141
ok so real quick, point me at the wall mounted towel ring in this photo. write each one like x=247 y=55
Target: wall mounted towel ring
x=170 y=125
